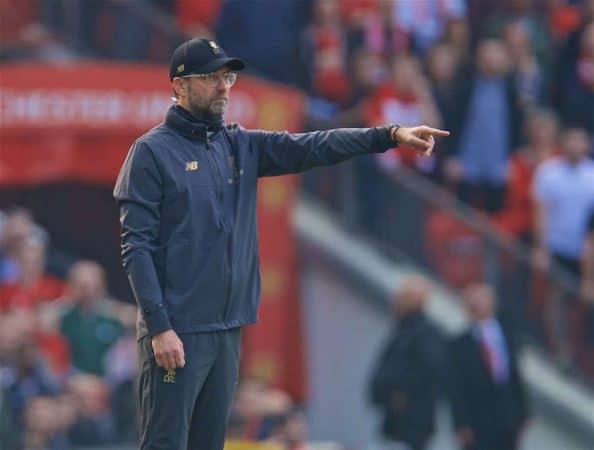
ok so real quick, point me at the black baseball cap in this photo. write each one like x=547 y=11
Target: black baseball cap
x=200 y=56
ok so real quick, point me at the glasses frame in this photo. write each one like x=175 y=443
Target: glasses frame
x=213 y=79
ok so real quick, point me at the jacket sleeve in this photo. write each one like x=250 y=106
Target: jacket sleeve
x=282 y=153
x=138 y=193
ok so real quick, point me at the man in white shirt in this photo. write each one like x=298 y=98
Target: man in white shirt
x=564 y=195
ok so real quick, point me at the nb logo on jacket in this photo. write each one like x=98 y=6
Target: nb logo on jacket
x=192 y=165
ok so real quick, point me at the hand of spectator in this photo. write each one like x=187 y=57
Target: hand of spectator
x=587 y=291
x=464 y=437
x=168 y=350
x=541 y=258
x=421 y=137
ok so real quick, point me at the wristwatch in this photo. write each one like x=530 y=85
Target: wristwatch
x=393 y=128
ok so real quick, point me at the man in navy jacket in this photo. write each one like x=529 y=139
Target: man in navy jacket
x=187 y=196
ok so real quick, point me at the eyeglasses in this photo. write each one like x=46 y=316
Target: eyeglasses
x=213 y=78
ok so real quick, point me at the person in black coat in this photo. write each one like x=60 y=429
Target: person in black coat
x=487 y=395
x=405 y=382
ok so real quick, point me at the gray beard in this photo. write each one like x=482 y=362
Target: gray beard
x=209 y=113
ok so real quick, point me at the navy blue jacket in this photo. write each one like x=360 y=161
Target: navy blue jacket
x=187 y=200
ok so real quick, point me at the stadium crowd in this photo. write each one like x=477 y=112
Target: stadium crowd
x=512 y=80
x=68 y=357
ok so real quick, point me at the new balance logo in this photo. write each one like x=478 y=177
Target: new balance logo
x=192 y=165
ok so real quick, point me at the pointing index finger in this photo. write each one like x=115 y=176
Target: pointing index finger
x=437 y=132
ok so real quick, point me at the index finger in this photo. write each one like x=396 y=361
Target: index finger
x=436 y=131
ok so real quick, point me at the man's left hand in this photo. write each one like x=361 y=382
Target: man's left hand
x=422 y=137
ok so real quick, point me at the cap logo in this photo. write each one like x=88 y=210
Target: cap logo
x=215 y=48
x=180 y=68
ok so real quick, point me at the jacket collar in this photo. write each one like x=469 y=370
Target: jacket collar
x=189 y=125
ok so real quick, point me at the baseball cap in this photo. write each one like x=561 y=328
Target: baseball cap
x=200 y=55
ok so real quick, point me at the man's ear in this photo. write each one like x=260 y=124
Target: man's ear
x=179 y=86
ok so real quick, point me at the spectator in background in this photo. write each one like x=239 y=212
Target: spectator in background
x=563 y=192
x=528 y=76
x=324 y=50
x=198 y=18
x=8 y=268
x=570 y=48
x=256 y=408
x=487 y=395
x=423 y=22
x=458 y=35
x=89 y=330
x=27 y=376
x=245 y=29
x=372 y=26
x=52 y=344
x=488 y=130
x=577 y=94
x=358 y=13
x=404 y=99
x=443 y=68
x=367 y=71
x=542 y=136
x=405 y=381
x=290 y=431
x=42 y=426
x=533 y=21
x=33 y=285
x=91 y=399
x=16 y=226
x=478 y=10
x=565 y=17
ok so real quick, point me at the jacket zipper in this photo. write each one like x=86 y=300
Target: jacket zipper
x=209 y=150
x=221 y=214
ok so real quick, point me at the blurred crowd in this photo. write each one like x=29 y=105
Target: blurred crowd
x=67 y=352
x=68 y=357
x=513 y=81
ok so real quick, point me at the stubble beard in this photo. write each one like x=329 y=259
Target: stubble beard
x=212 y=109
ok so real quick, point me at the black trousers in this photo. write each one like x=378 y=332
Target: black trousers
x=188 y=408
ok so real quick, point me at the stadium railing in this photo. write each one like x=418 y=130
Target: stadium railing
x=407 y=216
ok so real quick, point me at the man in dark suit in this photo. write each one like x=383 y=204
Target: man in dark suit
x=487 y=396
x=404 y=384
